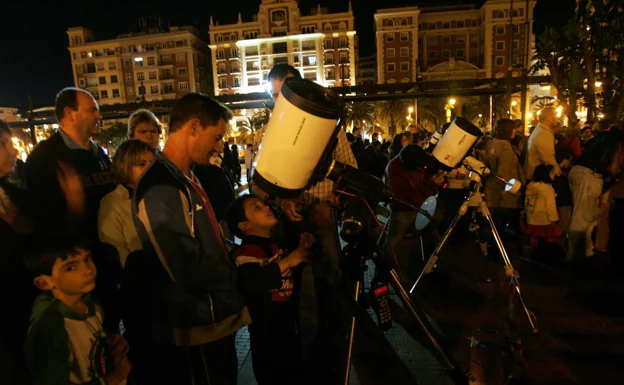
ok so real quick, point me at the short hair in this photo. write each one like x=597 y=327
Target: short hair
x=235 y=214
x=604 y=124
x=283 y=70
x=126 y=157
x=375 y=134
x=4 y=127
x=67 y=97
x=542 y=173
x=249 y=145
x=503 y=128
x=563 y=153
x=350 y=137
x=41 y=253
x=142 y=116
x=518 y=140
x=197 y=106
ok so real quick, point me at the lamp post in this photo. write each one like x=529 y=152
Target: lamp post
x=449 y=107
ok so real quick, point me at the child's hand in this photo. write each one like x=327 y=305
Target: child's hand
x=306 y=240
x=119 y=370
x=119 y=345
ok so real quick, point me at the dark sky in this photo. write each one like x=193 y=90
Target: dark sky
x=33 y=39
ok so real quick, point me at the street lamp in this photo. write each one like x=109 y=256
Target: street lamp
x=452 y=102
x=598 y=84
x=411 y=109
x=529 y=115
x=514 y=103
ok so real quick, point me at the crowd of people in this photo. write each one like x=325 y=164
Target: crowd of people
x=127 y=271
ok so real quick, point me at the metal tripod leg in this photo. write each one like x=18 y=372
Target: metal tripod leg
x=356 y=297
x=457 y=376
x=509 y=270
x=434 y=256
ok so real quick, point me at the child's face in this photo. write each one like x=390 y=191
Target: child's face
x=259 y=216
x=75 y=275
x=144 y=160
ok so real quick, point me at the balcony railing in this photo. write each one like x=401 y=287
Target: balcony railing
x=165 y=62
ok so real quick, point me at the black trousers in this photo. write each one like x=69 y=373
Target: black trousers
x=214 y=363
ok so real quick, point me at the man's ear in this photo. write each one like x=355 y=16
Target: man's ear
x=243 y=226
x=44 y=283
x=194 y=126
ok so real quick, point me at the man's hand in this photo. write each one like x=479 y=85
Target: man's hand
x=118 y=370
x=289 y=208
x=70 y=183
x=118 y=344
x=306 y=241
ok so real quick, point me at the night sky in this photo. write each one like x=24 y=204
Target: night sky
x=35 y=60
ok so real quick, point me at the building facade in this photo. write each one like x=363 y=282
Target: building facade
x=321 y=45
x=453 y=42
x=366 y=70
x=9 y=114
x=156 y=64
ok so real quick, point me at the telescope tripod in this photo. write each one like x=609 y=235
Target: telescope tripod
x=356 y=255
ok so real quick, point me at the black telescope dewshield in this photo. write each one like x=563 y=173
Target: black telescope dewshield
x=299 y=139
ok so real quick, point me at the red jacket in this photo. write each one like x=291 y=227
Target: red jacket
x=411 y=186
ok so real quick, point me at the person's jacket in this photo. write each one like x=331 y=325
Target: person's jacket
x=411 y=186
x=503 y=162
x=540 y=149
x=47 y=204
x=540 y=207
x=195 y=300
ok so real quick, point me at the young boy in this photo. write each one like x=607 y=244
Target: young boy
x=266 y=282
x=66 y=342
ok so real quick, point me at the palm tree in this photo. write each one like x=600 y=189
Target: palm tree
x=431 y=112
x=395 y=111
x=260 y=119
x=360 y=113
x=112 y=137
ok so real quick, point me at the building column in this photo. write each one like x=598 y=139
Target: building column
x=381 y=59
x=243 y=70
x=191 y=69
x=415 y=63
x=352 y=69
x=215 y=77
x=425 y=51
x=320 y=62
x=487 y=52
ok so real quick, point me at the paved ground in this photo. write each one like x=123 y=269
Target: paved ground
x=578 y=305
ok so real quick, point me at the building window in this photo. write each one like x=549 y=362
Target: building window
x=181 y=57
x=279 y=32
x=154 y=89
x=112 y=65
x=138 y=62
x=460 y=38
x=152 y=75
x=500 y=14
x=459 y=53
x=446 y=40
x=81 y=82
x=104 y=94
x=404 y=21
x=181 y=71
x=235 y=68
x=79 y=69
x=389 y=23
x=96 y=94
x=516 y=44
x=168 y=88
x=127 y=63
x=516 y=60
x=100 y=66
x=92 y=81
x=221 y=68
x=220 y=54
x=500 y=29
x=327 y=27
x=114 y=79
x=344 y=58
x=234 y=53
x=343 y=42
x=151 y=61
x=390 y=52
x=516 y=28
x=183 y=86
x=432 y=25
x=309 y=45
x=330 y=74
x=140 y=76
x=129 y=91
x=446 y=54
x=433 y=55
x=219 y=38
x=342 y=26
x=328 y=59
x=390 y=67
x=404 y=66
x=446 y=25
x=404 y=36
x=223 y=83
x=515 y=13
x=329 y=44
x=116 y=93
x=390 y=37
x=500 y=45
x=102 y=79
x=500 y=60
x=460 y=24
x=432 y=40
x=391 y=81
x=233 y=37
x=404 y=51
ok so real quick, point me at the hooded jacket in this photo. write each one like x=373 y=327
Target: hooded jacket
x=194 y=296
x=64 y=347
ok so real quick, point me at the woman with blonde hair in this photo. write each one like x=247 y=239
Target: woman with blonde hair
x=115 y=223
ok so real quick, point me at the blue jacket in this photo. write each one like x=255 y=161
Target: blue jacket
x=193 y=281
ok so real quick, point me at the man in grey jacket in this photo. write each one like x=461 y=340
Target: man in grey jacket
x=541 y=143
x=196 y=308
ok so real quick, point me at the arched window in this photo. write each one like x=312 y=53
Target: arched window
x=500 y=14
x=403 y=21
x=327 y=27
x=515 y=13
x=233 y=37
x=391 y=81
x=389 y=23
x=405 y=80
x=342 y=26
x=219 y=38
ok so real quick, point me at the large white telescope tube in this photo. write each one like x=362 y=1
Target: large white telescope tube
x=302 y=125
x=456 y=142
